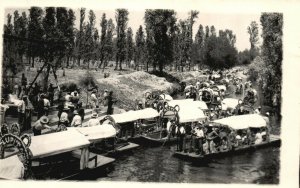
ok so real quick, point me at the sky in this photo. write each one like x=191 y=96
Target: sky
x=238 y=23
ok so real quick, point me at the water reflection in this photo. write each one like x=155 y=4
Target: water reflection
x=158 y=165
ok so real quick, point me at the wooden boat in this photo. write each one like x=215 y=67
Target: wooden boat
x=192 y=157
x=237 y=123
x=59 y=155
x=152 y=133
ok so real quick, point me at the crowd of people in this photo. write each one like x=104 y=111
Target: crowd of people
x=39 y=101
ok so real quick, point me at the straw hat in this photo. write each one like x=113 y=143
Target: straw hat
x=75 y=112
x=44 y=120
x=267 y=113
x=66 y=108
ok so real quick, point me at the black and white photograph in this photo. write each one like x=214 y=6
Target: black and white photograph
x=154 y=94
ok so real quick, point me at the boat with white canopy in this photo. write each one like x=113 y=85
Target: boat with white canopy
x=240 y=126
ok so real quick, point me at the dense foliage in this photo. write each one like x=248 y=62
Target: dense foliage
x=163 y=43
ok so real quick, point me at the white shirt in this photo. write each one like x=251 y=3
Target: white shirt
x=76 y=121
x=93 y=122
x=169 y=125
x=22 y=107
x=93 y=97
x=258 y=138
x=46 y=103
x=64 y=117
x=68 y=97
x=199 y=133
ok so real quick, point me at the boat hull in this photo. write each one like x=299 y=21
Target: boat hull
x=192 y=157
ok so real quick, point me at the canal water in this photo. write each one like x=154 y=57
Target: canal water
x=159 y=165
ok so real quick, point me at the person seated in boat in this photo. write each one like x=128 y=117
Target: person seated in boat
x=244 y=138
x=231 y=139
x=238 y=139
x=258 y=138
x=213 y=147
x=94 y=120
x=250 y=137
x=205 y=147
x=76 y=122
x=265 y=134
x=224 y=144
x=258 y=110
x=241 y=110
x=41 y=124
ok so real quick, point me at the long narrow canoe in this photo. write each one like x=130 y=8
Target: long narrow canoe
x=192 y=157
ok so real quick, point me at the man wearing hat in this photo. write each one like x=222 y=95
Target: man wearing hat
x=64 y=117
x=39 y=125
x=76 y=122
x=93 y=121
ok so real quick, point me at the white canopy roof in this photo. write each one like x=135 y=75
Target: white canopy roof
x=166 y=97
x=189 y=103
x=243 y=121
x=97 y=132
x=190 y=114
x=135 y=115
x=229 y=103
x=55 y=143
x=179 y=102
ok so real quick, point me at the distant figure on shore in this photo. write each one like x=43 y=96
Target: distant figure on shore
x=76 y=122
x=94 y=99
x=93 y=121
x=110 y=102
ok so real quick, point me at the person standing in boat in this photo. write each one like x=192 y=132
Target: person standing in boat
x=258 y=138
x=181 y=135
x=199 y=139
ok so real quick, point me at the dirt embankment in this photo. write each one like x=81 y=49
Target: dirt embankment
x=131 y=87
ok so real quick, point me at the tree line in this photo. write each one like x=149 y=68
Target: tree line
x=50 y=35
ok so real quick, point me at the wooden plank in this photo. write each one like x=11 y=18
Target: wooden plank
x=128 y=147
x=99 y=161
